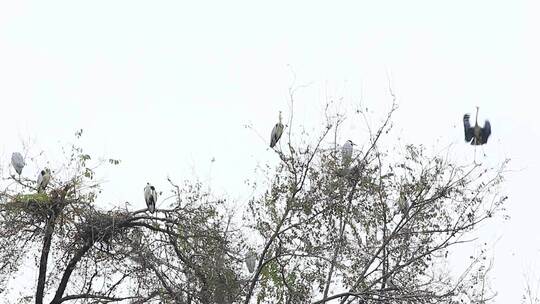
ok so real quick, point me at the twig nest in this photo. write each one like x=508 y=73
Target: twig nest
x=38 y=204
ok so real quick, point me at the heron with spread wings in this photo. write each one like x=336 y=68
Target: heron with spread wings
x=476 y=135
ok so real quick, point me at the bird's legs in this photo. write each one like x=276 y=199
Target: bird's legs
x=474 y=160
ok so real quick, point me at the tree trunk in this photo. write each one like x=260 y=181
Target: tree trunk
x=49 y=229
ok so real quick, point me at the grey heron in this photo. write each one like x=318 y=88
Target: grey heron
x=476 y=135
x=43 y=179
x=276 y=132
x=150 y=196
x=251 y=259
x=403 y=204
x=346 y=151
x=18 y=162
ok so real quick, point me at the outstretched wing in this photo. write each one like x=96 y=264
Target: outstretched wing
x=469 y=132
x=486 y=131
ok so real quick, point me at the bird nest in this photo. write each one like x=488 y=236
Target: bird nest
x=102 y=226
x=37 y=205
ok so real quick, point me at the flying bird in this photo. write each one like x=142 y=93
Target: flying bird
x=150 y=196
x=346 y=151
x=276 y=132
x=251 y=259
x=43 y=179
x=476 y=135
x=18 y=162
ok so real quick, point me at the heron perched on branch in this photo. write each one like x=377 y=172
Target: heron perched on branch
x=276 y=132
x=43 y=179
x=476 y=135
x=150 y=196
x=346 y=151
x=18 y=162
x=403 y=204
x=251 y=259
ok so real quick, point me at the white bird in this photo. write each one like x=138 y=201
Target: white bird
x=276 y=132
x=476 y=135
x=150 y=196
x=346 y=151
x=251 y=259
x=43 y=179
x=18 y=162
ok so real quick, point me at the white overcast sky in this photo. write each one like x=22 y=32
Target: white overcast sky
x=166 y=86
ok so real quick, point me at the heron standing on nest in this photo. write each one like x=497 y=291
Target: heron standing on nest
x=43 y=179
